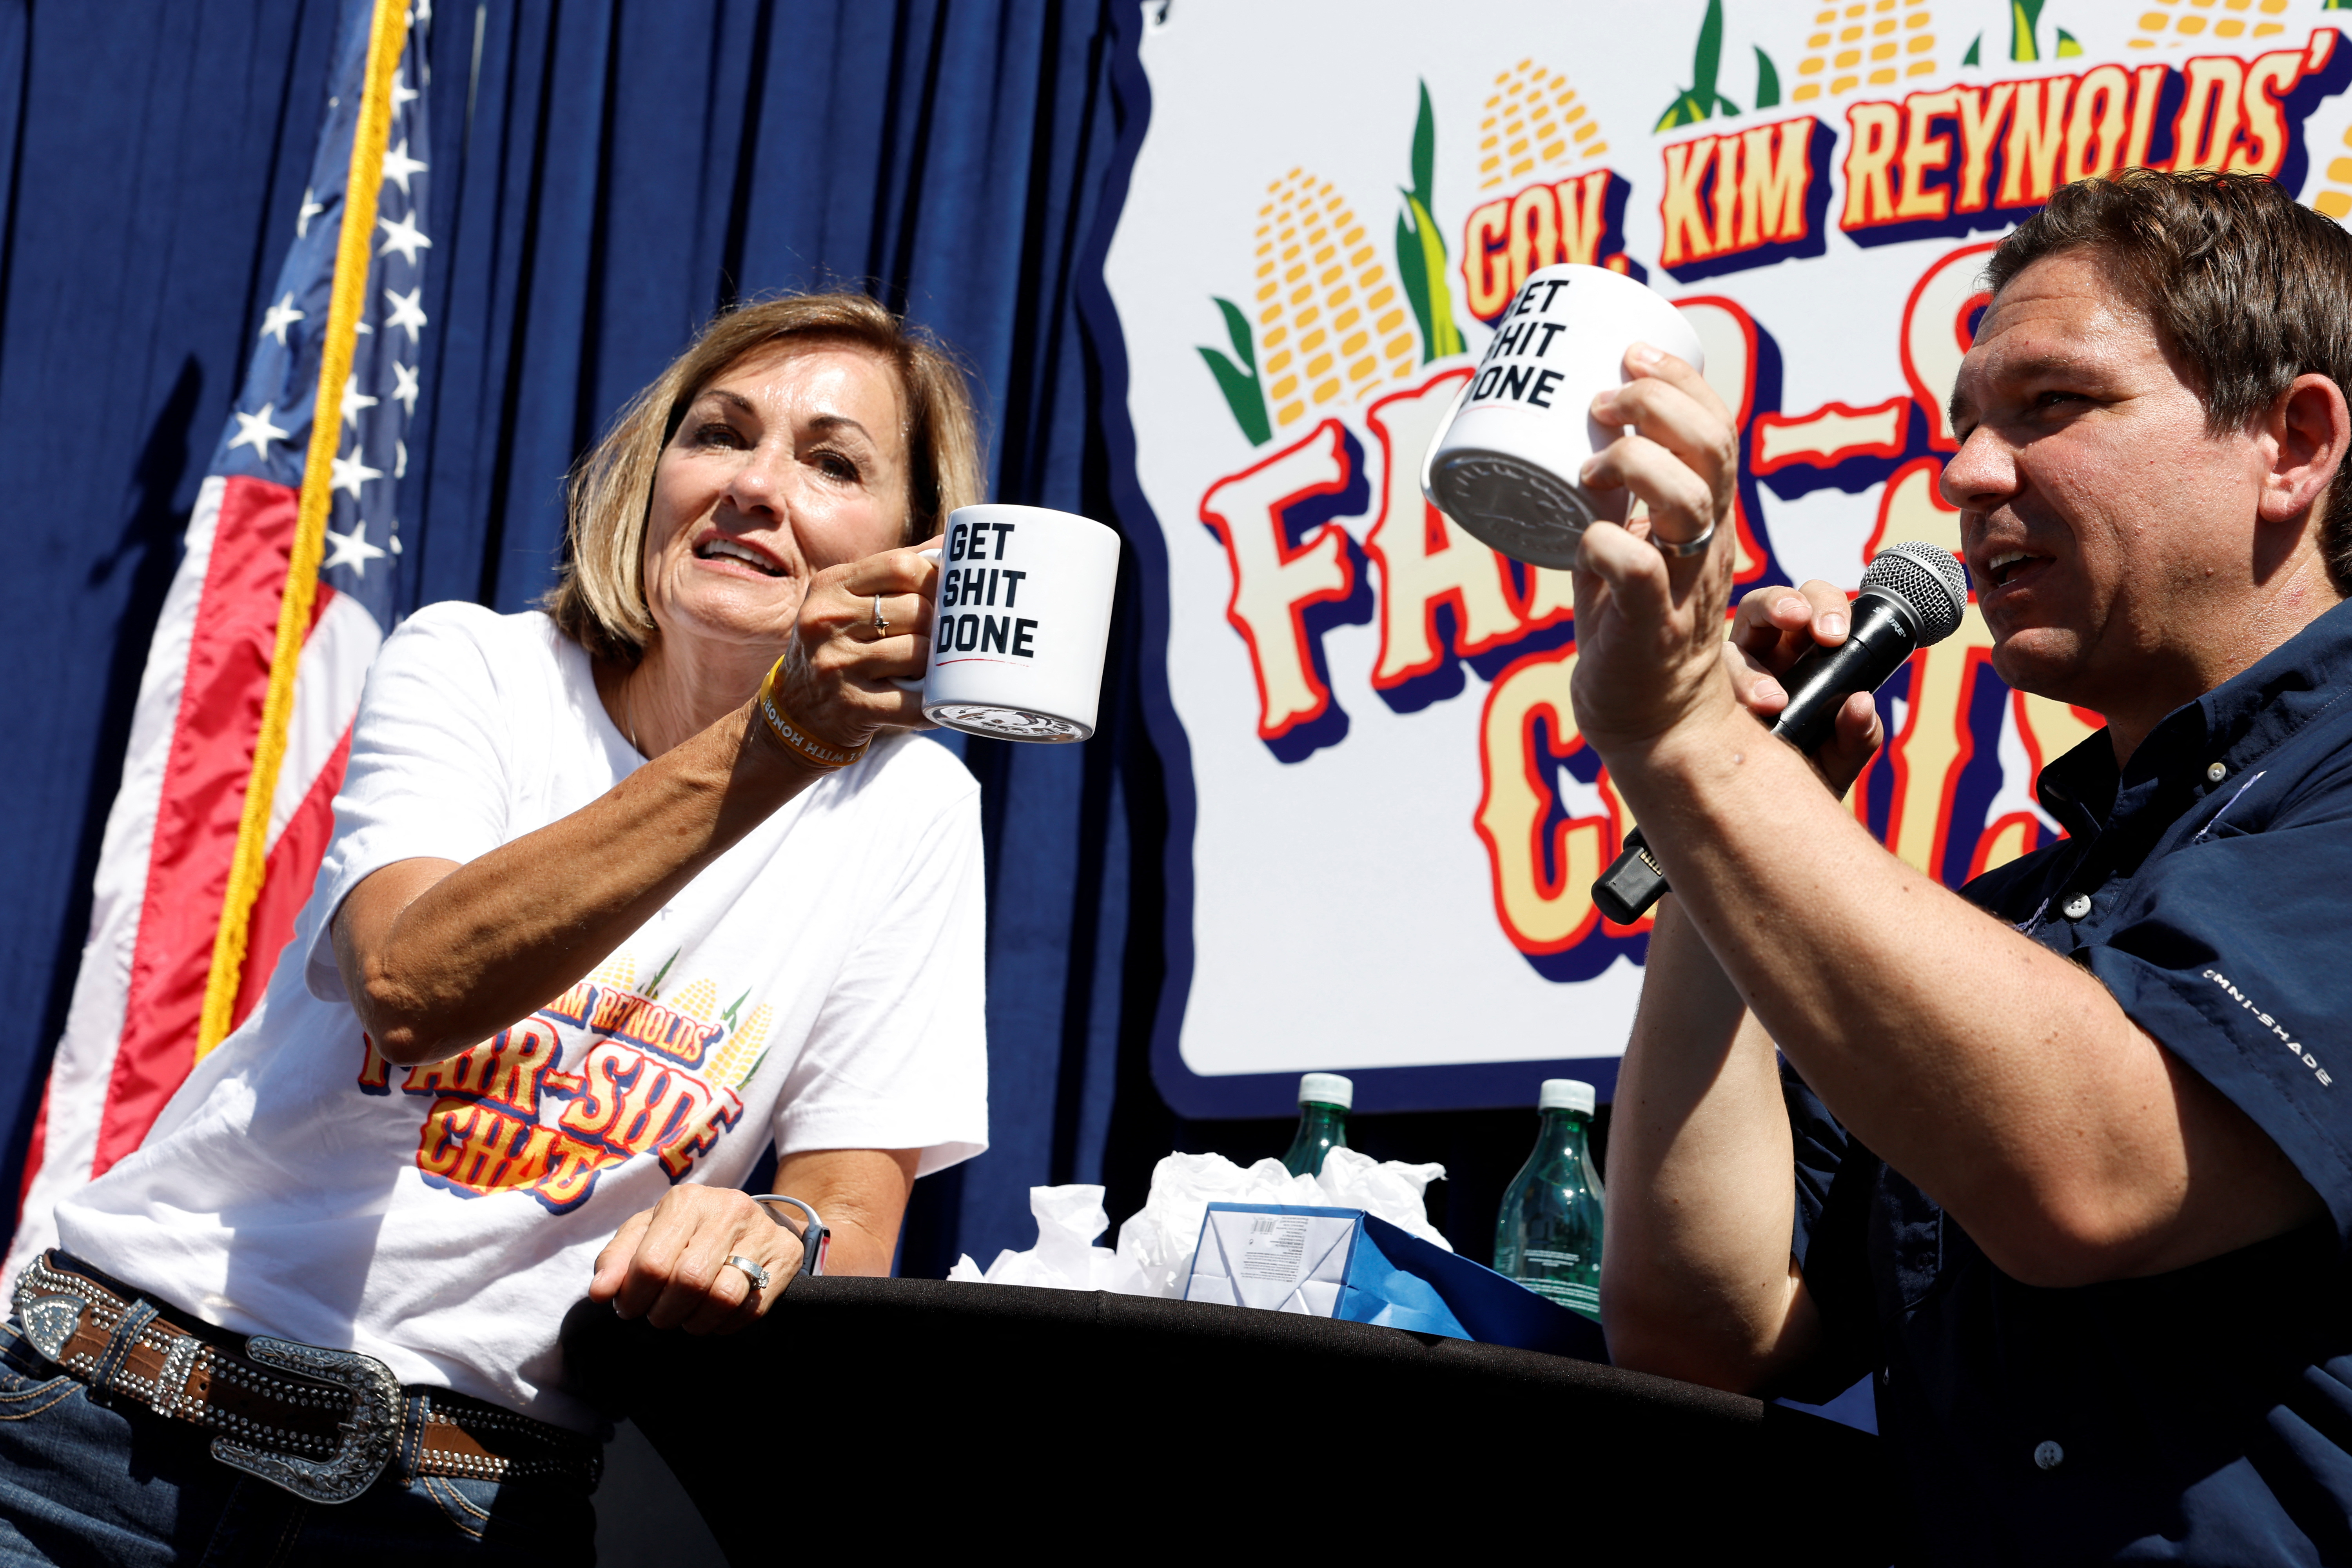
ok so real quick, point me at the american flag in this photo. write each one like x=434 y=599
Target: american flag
x=131 y=1036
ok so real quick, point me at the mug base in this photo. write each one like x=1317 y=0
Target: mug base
x=1001 y=724
x=1528 y=512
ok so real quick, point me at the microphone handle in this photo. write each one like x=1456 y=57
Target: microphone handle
x=1885 y=632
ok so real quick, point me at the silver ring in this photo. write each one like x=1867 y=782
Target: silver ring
x=881 y=626
x=1687 y=548
x=758 y=1277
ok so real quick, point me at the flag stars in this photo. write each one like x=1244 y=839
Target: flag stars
x=350 y=473
x=402 y=236
x=398 y=166
x=355 y=400
x=405 y=311
x=255 y=431
x=311 y=207
x=352 y=549
x=403 y=391
x=401 y=91
x=281 y=316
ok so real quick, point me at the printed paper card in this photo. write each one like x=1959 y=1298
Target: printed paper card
x=1284 y=1258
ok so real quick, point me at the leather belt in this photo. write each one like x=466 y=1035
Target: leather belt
x=322 y=1423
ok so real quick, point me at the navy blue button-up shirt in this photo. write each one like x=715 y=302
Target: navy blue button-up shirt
x=2203 y=1415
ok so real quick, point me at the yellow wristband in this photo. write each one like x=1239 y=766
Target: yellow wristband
x=816 y=753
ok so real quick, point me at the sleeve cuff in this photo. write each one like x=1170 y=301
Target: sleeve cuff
x=2216 y=1022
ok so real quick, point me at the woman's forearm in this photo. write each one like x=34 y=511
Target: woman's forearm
x=1697 y=1282
x=439 y=956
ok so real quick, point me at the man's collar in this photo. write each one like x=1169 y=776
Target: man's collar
x=2236 y=722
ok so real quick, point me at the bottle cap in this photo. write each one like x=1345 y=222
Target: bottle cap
x=1566 y=1094
x=1327 y=1088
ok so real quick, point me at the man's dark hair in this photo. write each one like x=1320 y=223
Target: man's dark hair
x=2250 y=286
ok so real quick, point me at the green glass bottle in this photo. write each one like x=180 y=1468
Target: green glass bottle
x=1547 y=1237
x=1323 y=1101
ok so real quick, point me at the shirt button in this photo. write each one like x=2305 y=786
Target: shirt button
x=2217 y=772
x=2049 y=1456
x=2077 y=907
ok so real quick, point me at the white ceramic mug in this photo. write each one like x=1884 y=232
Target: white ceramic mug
x=1504 y=464
x=1021 y=624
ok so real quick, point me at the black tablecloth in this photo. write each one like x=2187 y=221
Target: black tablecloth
x=1080 y=1425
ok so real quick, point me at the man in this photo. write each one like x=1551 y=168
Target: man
x=2083 y=1209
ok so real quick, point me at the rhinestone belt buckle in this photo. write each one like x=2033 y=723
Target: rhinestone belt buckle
x=370 y=1432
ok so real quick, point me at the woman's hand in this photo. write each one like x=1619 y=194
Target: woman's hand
x=668 y=1264
x=841 y=668
x=1650 y=625
x=1774 y=628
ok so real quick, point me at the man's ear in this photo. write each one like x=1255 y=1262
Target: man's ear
x=2309 y=432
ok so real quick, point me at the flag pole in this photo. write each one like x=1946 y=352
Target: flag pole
x=387 y=36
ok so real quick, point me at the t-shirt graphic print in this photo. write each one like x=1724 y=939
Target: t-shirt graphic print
x=649 y=1075
x=821 y=985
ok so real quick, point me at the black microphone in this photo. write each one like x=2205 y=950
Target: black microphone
x=1912 y=595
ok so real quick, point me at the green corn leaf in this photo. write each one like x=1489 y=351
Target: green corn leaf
x=1440 y=337
x=1242 y=396
x=1724 y=106
x=1424 y=150
x=1768 y=81
x=1976 y=50
x=1413 y=269
x=2023 y=16
x=1686 y=110
x=2067 y=46
x=1237 y=327
x=1708 y=56
x=654 y=989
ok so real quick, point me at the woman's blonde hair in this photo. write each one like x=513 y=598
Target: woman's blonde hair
x=599 y=601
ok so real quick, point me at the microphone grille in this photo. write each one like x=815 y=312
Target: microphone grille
x=1928 y=578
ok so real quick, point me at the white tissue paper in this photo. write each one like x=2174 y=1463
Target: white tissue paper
x=1155 y=1245
x=1069 y=1219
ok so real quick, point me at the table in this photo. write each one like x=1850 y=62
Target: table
x=1087 y=1426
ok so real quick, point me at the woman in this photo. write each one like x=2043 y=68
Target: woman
x=619 y=894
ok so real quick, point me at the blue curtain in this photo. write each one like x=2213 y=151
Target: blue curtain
x=606 y=173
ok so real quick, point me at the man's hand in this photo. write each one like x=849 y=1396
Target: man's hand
x=1650 y=625
x=1774 y=628
x=668 y=1264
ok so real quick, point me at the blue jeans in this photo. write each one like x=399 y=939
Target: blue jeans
x=83 y=1482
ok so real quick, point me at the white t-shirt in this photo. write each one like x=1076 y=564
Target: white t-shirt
x=819 y=985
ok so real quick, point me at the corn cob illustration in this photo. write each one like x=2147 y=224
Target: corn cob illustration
x=1534 y=119
x=739 y=1056
x=2336 y=200
x=2177 y=26
x=698 y=1001
x=619 y=971
x=1327 y=317
x=1878 y=43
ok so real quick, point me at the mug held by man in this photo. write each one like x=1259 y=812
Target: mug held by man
x=1023 y=620
x=1507 y=464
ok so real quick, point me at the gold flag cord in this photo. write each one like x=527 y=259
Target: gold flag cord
x=387 y=36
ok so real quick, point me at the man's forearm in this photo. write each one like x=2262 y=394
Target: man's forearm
x=1698 y=1283
x=2002 y=1079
